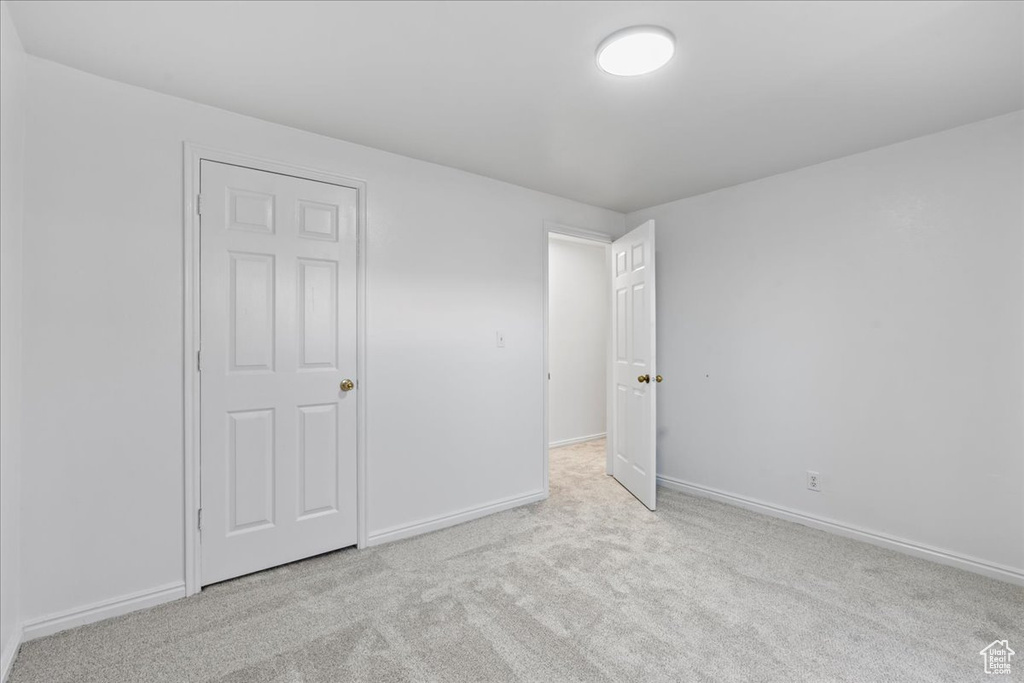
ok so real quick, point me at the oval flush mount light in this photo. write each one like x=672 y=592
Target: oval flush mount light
x=636 y=50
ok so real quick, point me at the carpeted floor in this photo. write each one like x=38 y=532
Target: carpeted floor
x=586 y=586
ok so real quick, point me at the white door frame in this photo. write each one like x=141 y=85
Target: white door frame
x=551 y=228
x=193 y=154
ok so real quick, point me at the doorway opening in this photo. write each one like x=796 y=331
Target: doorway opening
x=578 y=306
x=600 y=351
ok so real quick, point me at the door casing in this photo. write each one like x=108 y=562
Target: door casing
x=193 y=154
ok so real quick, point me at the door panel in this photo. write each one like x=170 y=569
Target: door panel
x=250 y=465
x=278 y=334
x=251 y=312
x=318 y=306
x=633 y=352
x=318 y=439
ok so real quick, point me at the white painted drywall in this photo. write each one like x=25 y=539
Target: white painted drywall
x=861 y=318
x=12 y=163
x=454 y=422
x=578 y=310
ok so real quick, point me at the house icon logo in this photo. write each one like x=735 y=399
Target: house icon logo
x=997 y=657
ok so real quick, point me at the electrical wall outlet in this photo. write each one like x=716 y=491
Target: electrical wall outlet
x=500 y=338
x=813 y=481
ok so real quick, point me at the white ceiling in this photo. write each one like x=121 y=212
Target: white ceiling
x=510 y=89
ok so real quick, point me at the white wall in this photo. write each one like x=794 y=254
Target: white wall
x=453 y=422
x=12 y=162
x=861 y=318
x=578 y=303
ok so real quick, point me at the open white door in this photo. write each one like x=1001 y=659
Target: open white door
x=633 y=426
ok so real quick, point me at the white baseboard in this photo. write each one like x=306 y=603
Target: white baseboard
x=396 y=533
x=971 y=564
x=98 y=611
x=579 y=439
x=10 y=651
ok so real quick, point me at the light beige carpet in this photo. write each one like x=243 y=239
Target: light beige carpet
x=586 y=586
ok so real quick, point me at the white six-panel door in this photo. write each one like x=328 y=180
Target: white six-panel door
x=278 y=337
x=634 y=423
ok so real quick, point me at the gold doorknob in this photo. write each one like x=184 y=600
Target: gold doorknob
x=658 y=378
x=347 y=385
x=644 y=379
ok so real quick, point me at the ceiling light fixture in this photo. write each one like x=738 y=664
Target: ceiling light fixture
x=636 y=50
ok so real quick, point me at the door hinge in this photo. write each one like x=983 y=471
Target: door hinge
x=199 y=519
x=199 y=204
x=199 y=360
